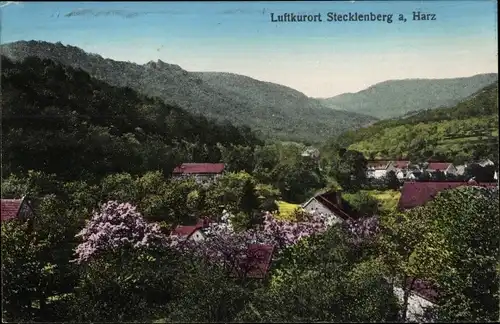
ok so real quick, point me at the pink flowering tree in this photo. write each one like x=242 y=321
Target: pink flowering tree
x=229 y=248
x=117 y=226
x=125 y=264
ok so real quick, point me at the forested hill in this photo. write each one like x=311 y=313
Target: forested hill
x=61 y=120
x=271 y=110
x=465 y=132
x=396 y=98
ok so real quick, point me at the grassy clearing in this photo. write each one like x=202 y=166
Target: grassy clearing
x=388 y=198
x=286 y=210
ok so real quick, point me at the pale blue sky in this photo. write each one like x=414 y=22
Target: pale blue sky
x=319 y=59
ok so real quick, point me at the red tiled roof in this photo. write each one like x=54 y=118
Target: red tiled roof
x=438 y=165
x=10 y=208
x=257 y=262
x=378 y=164
x=401 y=164
x=197 y=168
x=186 y=230
x=416 y=194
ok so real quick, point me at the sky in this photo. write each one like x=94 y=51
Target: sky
x=320 y=59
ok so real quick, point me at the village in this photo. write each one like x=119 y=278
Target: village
x=171 y=163
x=327 y=205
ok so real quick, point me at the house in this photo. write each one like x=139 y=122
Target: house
x=192 y=232
x=445 y=167
x=255 y=262
x=200 y=171
x=379 y=169
x=400 y=174
x=422 y=296
x=311 y=152
x=413 y=175
x=189 y=232
x=16 y=209
x=486 y=162
x=416 y=194
x=330 y=205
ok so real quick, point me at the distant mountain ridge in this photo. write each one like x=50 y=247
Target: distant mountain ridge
x=395 y=98
x=271 y=110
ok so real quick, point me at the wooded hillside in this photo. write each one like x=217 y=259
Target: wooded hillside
x=60 y=120
x=467 y=131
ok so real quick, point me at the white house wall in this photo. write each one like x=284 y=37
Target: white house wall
x=315 y=206
x=379 y=173
x=197 y=236
x=451 y=170
x=416 y=305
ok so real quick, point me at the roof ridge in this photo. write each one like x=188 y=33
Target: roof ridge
x=335 y=207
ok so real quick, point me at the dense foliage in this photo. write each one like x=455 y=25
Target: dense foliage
x=452 y=242
x=58 y=119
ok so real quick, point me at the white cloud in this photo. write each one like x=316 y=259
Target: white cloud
x=8 y=3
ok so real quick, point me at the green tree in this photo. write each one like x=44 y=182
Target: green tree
x=402 y=233
x=36 y=263
x=363 y=203
x=350 y=171
x=235 y=192
x=392 y=181
x=317 y=280
x=462 y=251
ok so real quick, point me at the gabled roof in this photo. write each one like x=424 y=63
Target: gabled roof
x=486 y=162
x=10 y=208
x=186 y=230
x=257 y=261
x=438 y=165
x=330 y=201
x=378 y=164
x=416 y=194
x=199 y=168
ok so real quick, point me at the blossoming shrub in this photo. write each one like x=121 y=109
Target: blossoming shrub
x=126 y=266
x=117 y=226
x=229 y=248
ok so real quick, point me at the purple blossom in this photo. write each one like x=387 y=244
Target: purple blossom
x=223 y=245
x=115 y=226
